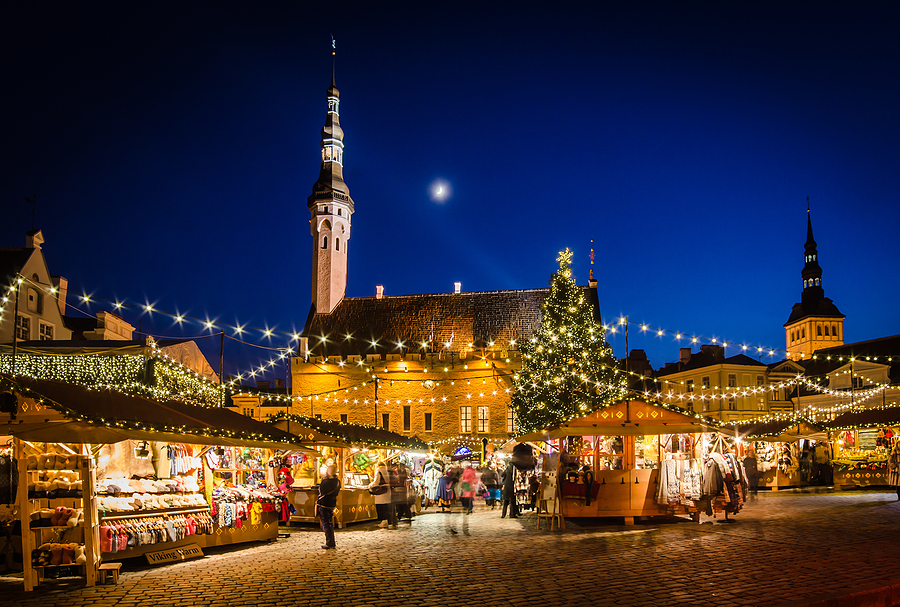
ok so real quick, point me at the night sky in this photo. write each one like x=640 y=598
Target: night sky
x=172 y=149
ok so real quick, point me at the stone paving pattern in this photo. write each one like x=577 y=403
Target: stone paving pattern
x=783 y=548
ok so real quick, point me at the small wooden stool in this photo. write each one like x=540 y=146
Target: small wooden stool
x=112 y=569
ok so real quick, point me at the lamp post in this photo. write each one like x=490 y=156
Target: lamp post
x=17 y=283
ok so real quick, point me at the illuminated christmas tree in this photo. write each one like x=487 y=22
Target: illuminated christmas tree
x=568 y=369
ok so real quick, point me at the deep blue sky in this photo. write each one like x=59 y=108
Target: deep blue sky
x=172 y=150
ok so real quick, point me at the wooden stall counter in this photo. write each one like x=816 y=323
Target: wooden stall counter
x=860 y=477
x=353 y=505
x=303 y=499
x=628 y=493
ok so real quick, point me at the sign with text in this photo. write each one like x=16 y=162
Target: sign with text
x=182 y=553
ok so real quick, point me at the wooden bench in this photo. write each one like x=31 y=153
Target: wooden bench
x=112 y=569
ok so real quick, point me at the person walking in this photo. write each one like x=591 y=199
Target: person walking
x=509 y=492
x=894 y=468
x=467 y=482
x=329 y=488
x=752 y=469
x=491 y=481
x=400 y=492
x=380 y=488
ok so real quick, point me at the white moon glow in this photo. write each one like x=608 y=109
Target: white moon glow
x=440 y=191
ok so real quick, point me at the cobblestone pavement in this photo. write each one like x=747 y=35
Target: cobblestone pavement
x=783 y=548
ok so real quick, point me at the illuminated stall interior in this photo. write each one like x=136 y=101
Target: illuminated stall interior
x=353 y=448
x=621 y=446
x=129 y=466
x=863 y=441
x=786 y=451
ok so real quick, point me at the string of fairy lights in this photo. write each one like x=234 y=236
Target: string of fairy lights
x=178 y=373
x=137 y=425
x=244 y=329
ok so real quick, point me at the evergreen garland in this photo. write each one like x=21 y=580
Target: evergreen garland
x=568 y=368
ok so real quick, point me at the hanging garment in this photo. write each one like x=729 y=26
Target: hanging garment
x=431 y=478
x=691 y=480
x=9 y=478
x=668 y=487
x=444 y=493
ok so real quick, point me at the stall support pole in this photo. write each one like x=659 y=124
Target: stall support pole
x=28 y=572
x=89 y=518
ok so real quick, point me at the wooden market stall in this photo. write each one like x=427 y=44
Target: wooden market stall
x=622 y=445
x=775 y=445
x=862 y=444
x=354 y=449
x=60 y=432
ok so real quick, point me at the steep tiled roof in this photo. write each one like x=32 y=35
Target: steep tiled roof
x=477 y=318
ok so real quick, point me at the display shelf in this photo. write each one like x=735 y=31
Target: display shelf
x=123 y=493
x=27 y=504
x=157 y=512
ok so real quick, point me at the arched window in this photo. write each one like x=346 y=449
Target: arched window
x=804 y=283
x=817 y=282
x=337 y=244
x=803 y=333
x=324 y=242
x=834 y=330
x=819 y=330
x=826 y=330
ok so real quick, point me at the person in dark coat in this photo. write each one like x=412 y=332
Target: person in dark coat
x=509 y=492
x=750 y=466
x=326 y=503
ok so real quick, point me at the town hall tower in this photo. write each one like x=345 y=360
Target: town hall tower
x=330 y=208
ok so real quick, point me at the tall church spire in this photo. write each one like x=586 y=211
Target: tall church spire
x=330 y=207
x=815 y=322
x=812 y=272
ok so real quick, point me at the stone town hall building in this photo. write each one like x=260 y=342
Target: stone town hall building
x=438 y=366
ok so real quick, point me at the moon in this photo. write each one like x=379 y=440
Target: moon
x=440 y=191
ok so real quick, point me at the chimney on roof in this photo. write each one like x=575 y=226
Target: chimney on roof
x=685 y=355
x=62 y=292
x=279 y=383
x=34 y=239
x=715 y=351
x=379 y=291
x=262 y=384
x=457 y=287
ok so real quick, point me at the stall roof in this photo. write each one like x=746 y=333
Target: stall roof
x=51 y=411
x=328 y=432
x=868 y=418
x=779 y=430
x=634 y=414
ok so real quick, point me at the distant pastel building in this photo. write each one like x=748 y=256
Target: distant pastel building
x=41 y=296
